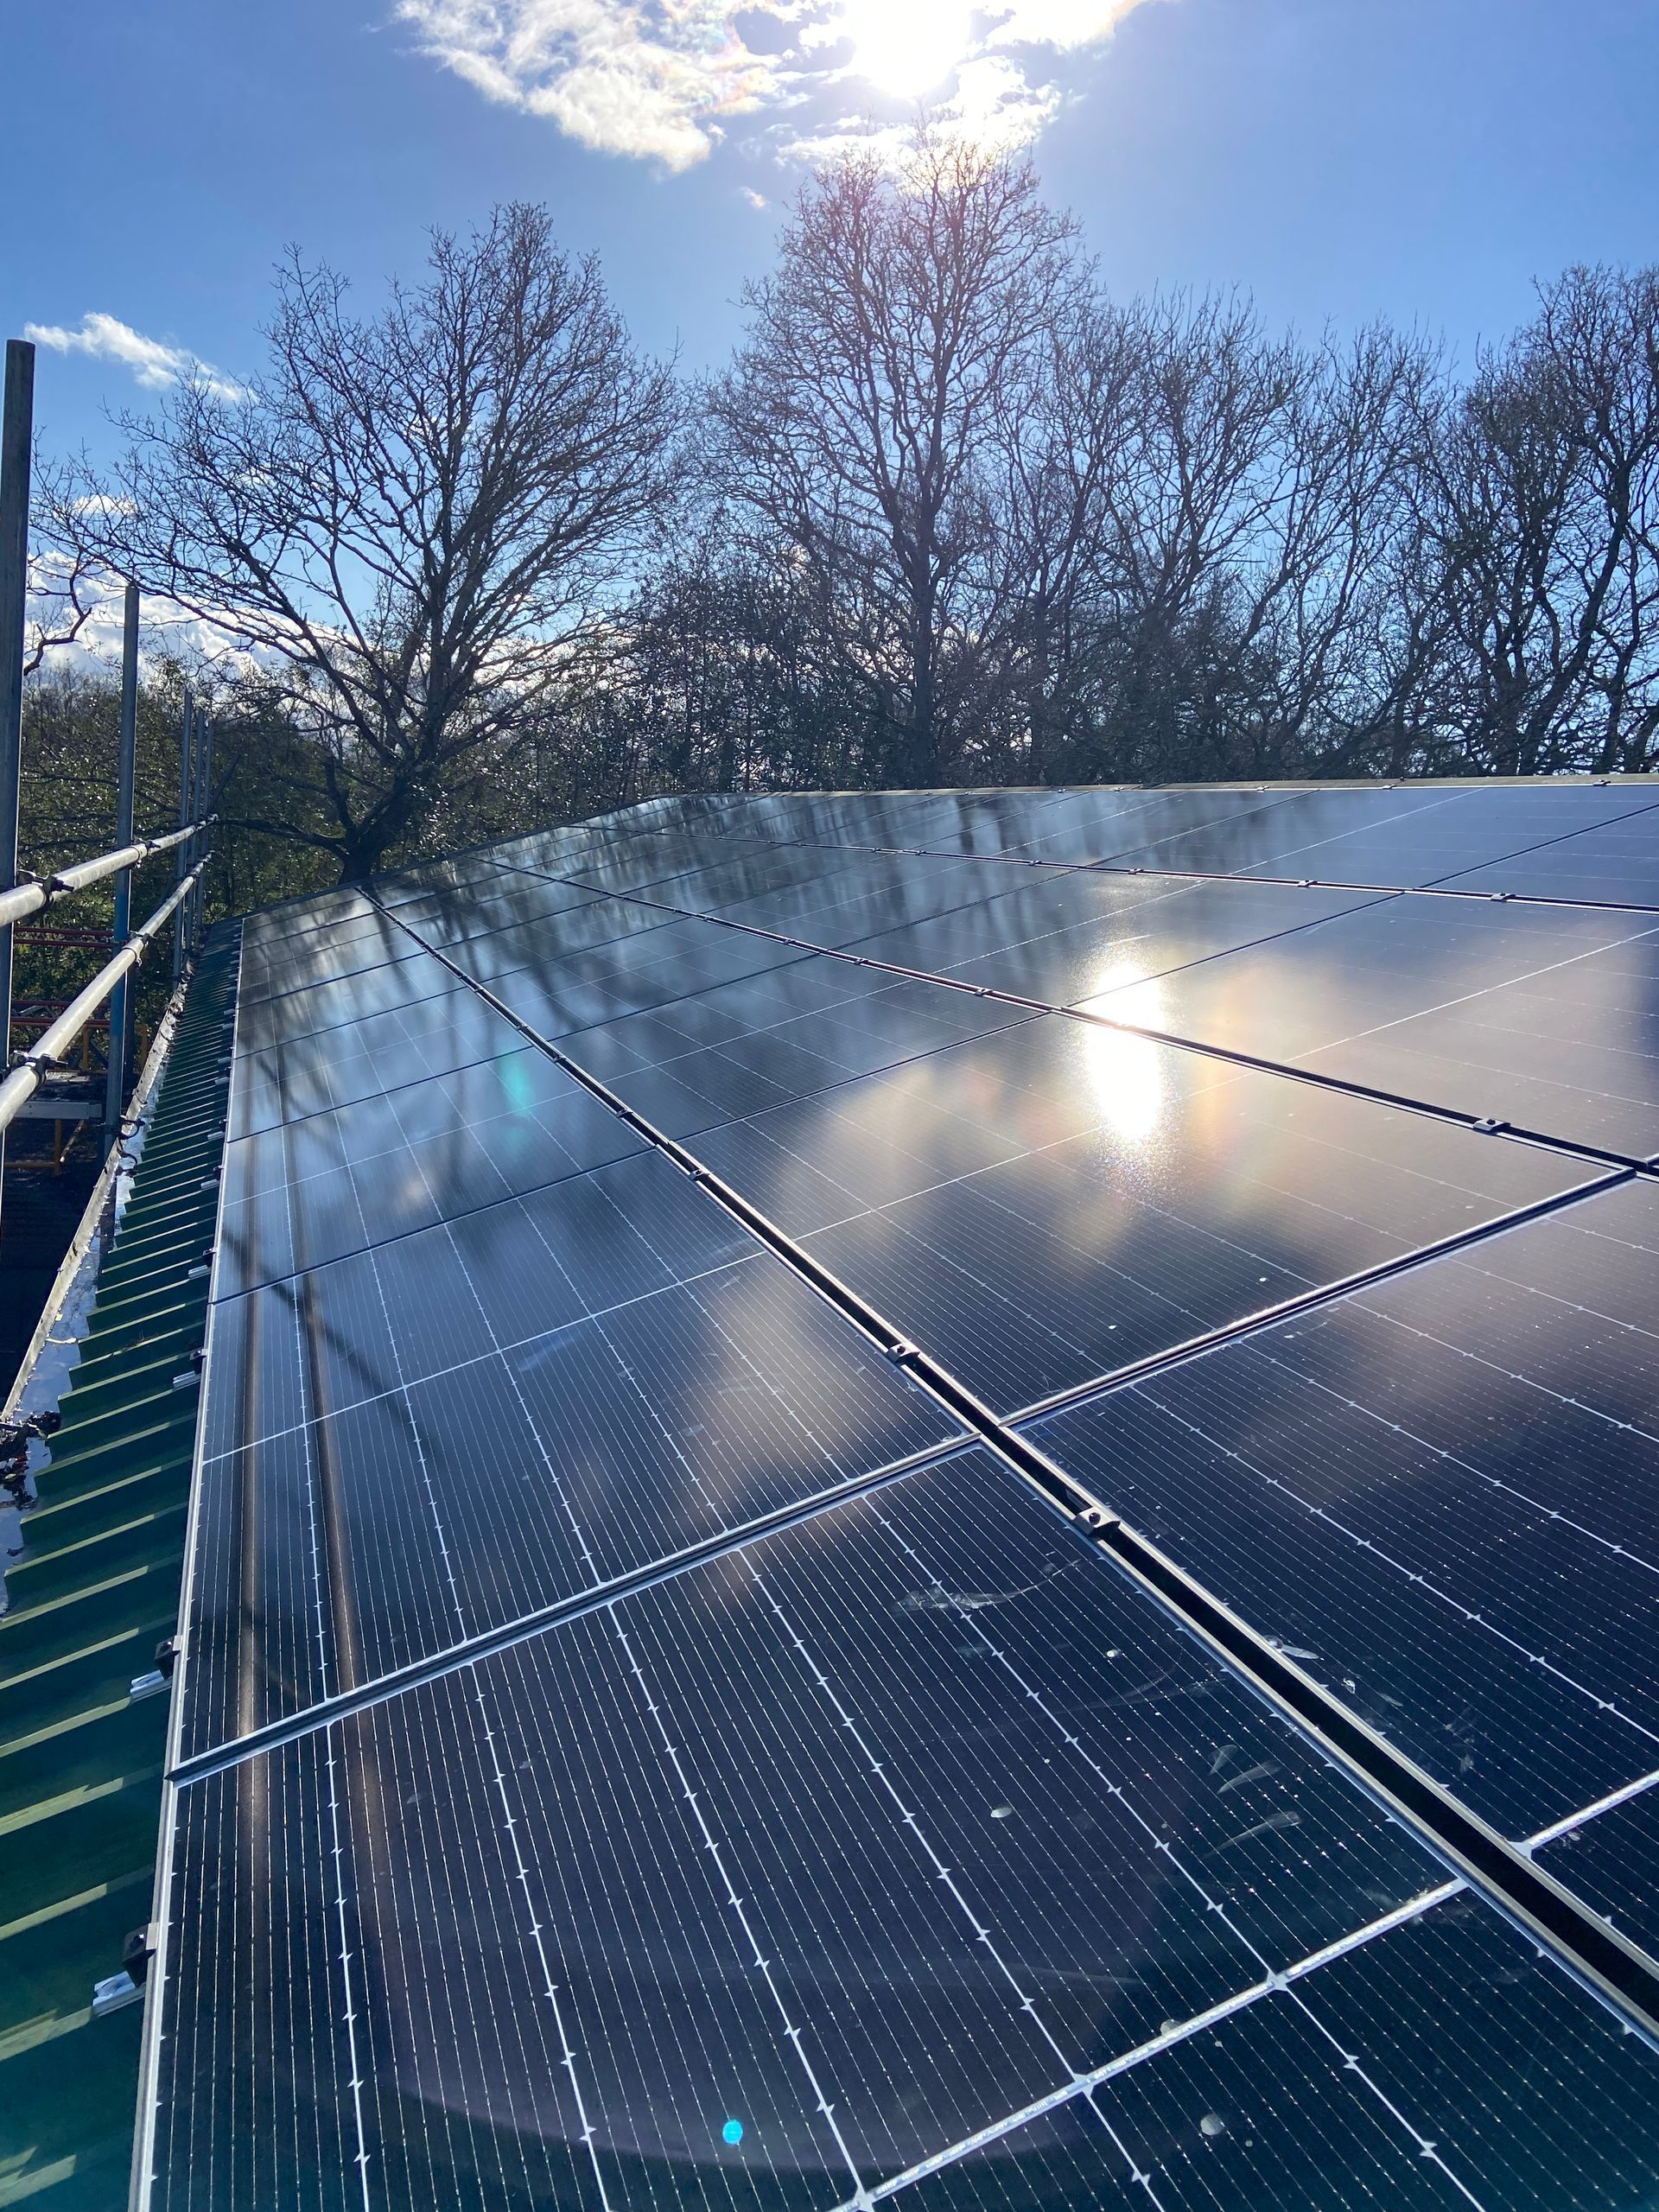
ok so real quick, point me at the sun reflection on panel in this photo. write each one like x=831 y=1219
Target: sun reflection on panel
x=1128 y=1075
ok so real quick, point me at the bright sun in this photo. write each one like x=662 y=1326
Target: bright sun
x=905 y=46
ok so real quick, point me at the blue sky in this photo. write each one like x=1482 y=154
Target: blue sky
x=1423 y=159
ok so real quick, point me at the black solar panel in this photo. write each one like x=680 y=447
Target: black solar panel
x=1437 y=2064
x=820 y=1573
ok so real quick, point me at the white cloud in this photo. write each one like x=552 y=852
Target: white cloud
x=1066 y=24
x=660 y=78
x=993 y=106
x=169 y=631
x=756 y=199
x=996 y=104
x=644 y=77
x=155 y=365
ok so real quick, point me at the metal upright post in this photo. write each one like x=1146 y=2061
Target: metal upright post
x=115 y=1088
x=204 y=775
x=187 y=764
x=16 y=427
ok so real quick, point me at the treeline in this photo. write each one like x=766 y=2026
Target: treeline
x=952 y=515
x=963 y=519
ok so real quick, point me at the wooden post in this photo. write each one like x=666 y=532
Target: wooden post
x=115 y=1089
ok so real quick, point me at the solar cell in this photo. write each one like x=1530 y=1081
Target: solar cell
x=428 y=1302
x=633 y=972
x=977 y=821
x=864 y=894
x=285 y=1082
x=454 y=1505
x=1540 y=1016
x=1423 y=835
x=859 y=1019
x=1611 y=862
x=1074 y=936
x=314 y=1189
x=342 y=1001
x=1054 y=1202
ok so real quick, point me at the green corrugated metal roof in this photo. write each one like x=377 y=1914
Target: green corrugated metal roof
x=96 y=1589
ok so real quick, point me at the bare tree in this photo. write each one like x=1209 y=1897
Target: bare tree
x=860 y=427
x=1539 y=520
x=64 y=591
x=413 y=514
x=1067 y=436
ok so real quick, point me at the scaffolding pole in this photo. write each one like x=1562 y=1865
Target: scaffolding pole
x=115 y=1087
x=187 y=786
x=47 y=1051
x=17 y=429
x=204 y=773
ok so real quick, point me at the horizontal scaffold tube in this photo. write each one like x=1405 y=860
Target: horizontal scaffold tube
x=47 y=1052
x=28 y=898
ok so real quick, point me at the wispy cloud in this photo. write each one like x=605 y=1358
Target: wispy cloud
x=645 y=77
x=155 y=365
x=663 y=79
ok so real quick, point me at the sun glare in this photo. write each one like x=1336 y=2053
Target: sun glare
x=1126 y=1072
x=906 y=48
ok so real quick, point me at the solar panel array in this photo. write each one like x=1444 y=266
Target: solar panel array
x=946 y=1497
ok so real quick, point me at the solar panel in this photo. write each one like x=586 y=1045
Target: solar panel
x=1540 y=1016
x=1611 y=1858
x=805 y=1828
x=816 y=1576
x=1437 y=2064
x=1411 y=837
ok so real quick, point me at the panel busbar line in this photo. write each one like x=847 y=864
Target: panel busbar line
x=1618 y=1968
